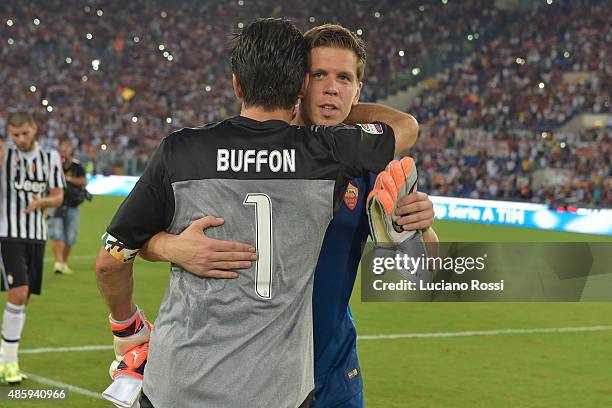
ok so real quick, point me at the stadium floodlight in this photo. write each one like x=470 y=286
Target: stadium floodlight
x=240 y=24
x=401 y=53
x=100 y=13
x=84 y=78
x=163 y=14
x=170 y=57
x=444 y=1
x=240 y=2
x=36 y=21
x=166 y=53
x=89 y=36
x=470 y=37
x=161 y=47
x=87 y=9
x=134 y=119
x=421 y=8
x=103 y=146
x=312 y=19
x=377 y=14
x=68 y=60
x=168 y=120
x=32 y=88
x=208 y=88
x=416 y=71
x=49 y=109
x=44 y=102
x=541 y=85
x=549 y=2
x=359 y=31
x=566 y=54
x=95 y=64
x=9 y=22
x=136 y=39
x=10 y=41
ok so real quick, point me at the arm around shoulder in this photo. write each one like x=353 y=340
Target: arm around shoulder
x=404 y=125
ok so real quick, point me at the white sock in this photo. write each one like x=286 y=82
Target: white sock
x=12 y=325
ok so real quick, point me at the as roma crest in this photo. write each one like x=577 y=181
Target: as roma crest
x=351 y=196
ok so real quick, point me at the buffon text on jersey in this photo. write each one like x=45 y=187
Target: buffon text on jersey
x=238 y=160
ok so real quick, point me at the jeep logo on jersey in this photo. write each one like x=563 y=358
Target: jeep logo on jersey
x=351 y=196
x=28 y=186
x=373 y=128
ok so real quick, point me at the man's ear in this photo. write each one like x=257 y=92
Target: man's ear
x=304 y=86
x=356 y=99
x=237 y=87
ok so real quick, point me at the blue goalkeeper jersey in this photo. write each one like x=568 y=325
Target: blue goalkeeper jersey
x=337 y=371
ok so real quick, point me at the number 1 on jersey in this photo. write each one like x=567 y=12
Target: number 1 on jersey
x=263 y=234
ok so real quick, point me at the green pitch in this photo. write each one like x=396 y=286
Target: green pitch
x=533 y=369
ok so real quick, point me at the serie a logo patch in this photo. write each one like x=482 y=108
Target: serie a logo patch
x=373 y=128
x=351 y=196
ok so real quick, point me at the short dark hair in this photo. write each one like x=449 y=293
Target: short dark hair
x=336 y=36
x=269 y=59
x=20 y=118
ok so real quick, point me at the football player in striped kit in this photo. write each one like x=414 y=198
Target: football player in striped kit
x=31 y=180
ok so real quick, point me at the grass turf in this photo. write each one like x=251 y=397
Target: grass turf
x=510 y=370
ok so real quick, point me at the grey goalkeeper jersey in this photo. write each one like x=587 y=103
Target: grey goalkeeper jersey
x=247 y=342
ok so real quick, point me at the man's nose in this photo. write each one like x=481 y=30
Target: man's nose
x=331 y=88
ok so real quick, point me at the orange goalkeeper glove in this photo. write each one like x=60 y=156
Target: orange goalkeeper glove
x=129 y=333
x=132 y=364
x=397 y=180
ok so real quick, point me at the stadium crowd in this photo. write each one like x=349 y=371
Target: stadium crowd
x=547 y=168
x=495 y=120
x=114 y=85
x=523 y=77
x=112 y=80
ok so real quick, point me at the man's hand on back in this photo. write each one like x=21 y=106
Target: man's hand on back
x=199 y=254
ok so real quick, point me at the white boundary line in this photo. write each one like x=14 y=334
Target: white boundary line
x=378 y=337
x=63 y=349
x=74 y=258
x=486 y=333
x=92 y=394
x=59 y=384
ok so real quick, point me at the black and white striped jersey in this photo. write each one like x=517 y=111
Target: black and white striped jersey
x=22 y=176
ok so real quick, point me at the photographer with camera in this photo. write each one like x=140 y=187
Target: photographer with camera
x=64 y=220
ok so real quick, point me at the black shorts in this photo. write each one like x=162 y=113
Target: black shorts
x=23 y=264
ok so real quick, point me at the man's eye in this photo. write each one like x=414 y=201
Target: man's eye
x=318 y=75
